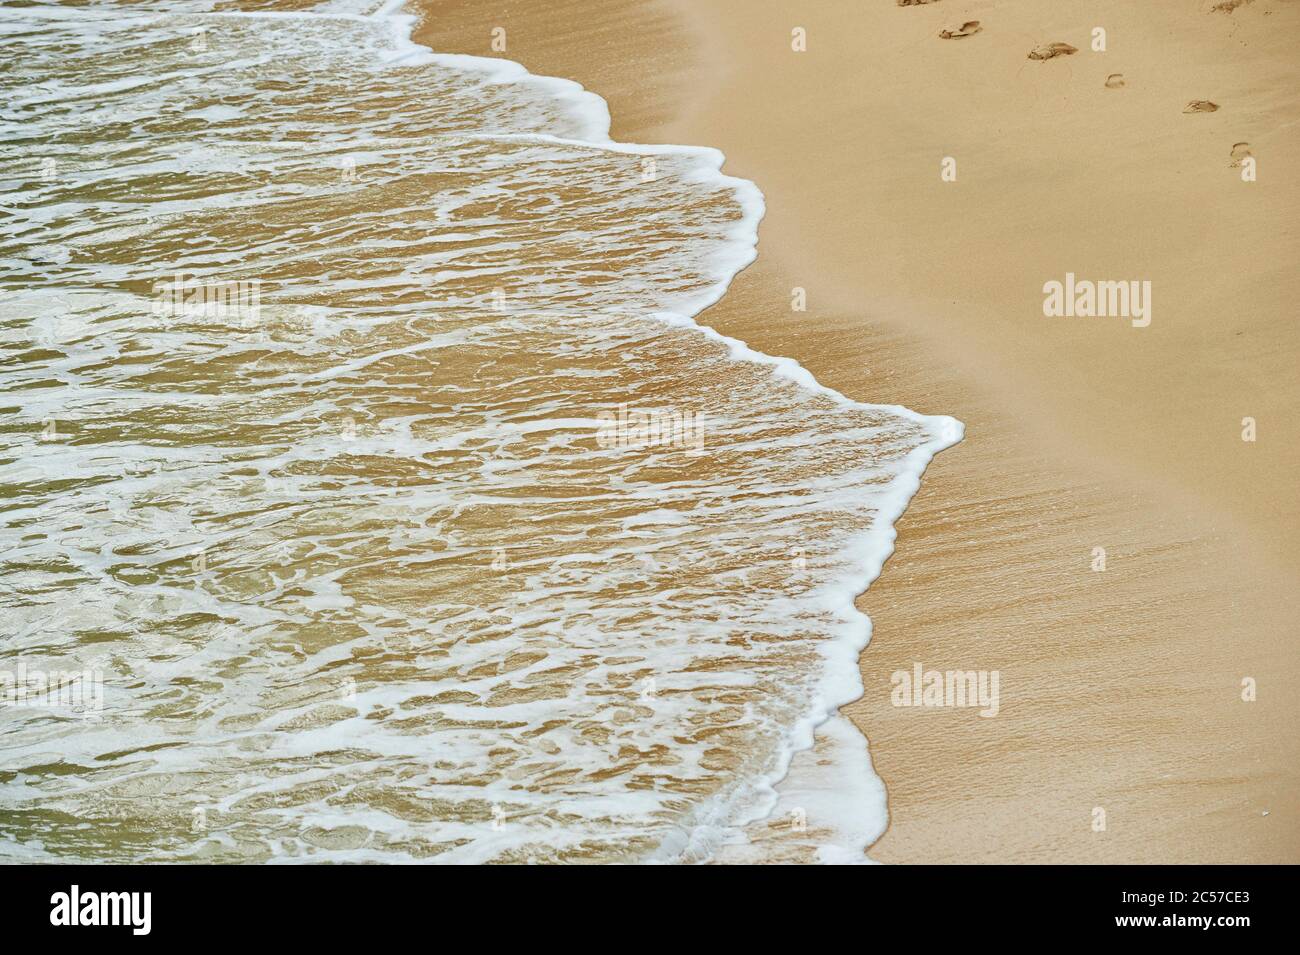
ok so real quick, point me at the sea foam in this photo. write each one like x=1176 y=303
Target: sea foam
x=365 y=583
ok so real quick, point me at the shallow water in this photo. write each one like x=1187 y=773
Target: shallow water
x=445 y=535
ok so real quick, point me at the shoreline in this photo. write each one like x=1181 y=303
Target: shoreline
x=823 y=729
x=1115 y=685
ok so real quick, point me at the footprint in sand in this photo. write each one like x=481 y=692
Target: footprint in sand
x=1046 y=51
x=1115 y=81
x=1200 y=106
x=966 y=29
x=1239 y=152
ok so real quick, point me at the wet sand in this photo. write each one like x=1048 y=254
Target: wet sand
x=1120 y=690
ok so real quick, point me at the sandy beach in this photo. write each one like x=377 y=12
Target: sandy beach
x=1122 y=733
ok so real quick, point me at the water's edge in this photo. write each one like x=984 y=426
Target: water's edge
x=872 y=549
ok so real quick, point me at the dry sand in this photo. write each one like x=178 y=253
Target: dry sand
x=1120 y=690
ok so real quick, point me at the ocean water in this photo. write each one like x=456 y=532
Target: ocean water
x=360 y=452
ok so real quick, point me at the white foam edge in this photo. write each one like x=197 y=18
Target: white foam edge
x=842 y=683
